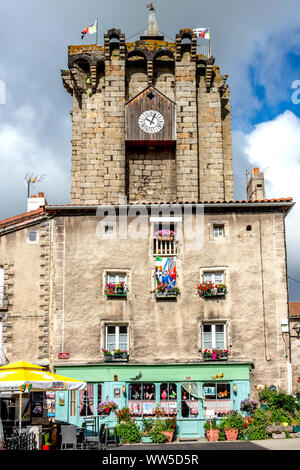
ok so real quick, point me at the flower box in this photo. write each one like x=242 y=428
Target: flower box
x=165 y=235
x=215 y=355
x=116 y=357
x=209 y=289
x=116 y=294
x=165 y=295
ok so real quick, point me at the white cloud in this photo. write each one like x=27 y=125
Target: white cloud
x=275 y=146
x=20 y=153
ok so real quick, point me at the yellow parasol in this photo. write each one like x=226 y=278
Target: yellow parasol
x=20 y=376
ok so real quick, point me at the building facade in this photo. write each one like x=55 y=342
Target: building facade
x=152 y=261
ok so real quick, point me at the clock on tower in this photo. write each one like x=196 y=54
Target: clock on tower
x=150 y=118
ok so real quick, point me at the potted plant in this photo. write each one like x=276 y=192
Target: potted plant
x=212 y=430
x=163 y=291
x=170 y=425
x=120 y=287
x=165 y=235
x=105 y=407
x=232 y=423
x=147 y=424
x=107 y=355
x=210 y=289
x=215 y=354
x=248 y=406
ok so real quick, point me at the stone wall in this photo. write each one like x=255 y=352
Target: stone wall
x=151 y=175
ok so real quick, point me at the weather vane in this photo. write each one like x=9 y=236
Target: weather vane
x=30 y=178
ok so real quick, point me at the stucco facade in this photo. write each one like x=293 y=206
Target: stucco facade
x=56 y=309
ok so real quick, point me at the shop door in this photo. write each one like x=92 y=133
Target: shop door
x=190 y=411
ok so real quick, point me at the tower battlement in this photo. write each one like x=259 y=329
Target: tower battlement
x=103 y=78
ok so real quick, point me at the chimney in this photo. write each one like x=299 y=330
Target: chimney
x=256 y=185
x=34 y=202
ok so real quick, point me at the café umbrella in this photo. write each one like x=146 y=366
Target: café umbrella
x=23 y=376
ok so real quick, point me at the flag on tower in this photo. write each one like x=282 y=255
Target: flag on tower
x=92 y=29
x=202 y=32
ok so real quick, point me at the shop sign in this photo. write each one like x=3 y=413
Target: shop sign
x=63 y=355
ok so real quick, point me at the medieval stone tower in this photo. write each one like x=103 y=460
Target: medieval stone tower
x=151 y=121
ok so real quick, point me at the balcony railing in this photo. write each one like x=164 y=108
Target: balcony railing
x=164 y=247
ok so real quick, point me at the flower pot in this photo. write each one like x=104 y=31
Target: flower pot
x=46 y=447
x=165 y=238
x=213 y=435
x=231 y=434
x=169 y=435
x=146 y=439
x=297 y=428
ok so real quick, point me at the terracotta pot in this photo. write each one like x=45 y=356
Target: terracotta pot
x=231 y=434
x=165 y=238
x=213 y=435
x=169 y=435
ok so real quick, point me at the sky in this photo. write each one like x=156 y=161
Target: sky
x=257 y=43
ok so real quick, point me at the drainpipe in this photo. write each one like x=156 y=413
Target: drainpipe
x=262 y=291
x=289 y=359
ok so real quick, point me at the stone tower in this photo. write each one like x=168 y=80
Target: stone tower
x=108 y=81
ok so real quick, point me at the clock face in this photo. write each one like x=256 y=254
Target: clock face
x=151 y=121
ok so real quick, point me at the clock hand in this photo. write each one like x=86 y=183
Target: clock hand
x=153 y=118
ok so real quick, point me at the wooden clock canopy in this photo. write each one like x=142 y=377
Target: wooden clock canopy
x=150 y=119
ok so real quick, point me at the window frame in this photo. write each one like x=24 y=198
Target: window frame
x=217 y=227
x=213 y=335
x=213 y=274
x=117 y=335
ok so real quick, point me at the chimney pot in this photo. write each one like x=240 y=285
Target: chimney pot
x=256 y=170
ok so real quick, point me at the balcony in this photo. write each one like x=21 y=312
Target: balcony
x=162 y=293
x=164 y=243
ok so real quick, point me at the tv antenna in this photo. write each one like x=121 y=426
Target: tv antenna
x=31 y=178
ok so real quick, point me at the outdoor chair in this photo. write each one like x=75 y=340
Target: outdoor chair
x=95 y=441
x=68 y=436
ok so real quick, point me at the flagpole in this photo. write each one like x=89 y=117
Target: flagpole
x=97 y=31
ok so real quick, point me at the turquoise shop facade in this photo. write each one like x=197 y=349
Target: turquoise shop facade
x=117 y=382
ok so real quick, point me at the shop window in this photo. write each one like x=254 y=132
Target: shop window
x=37 y=399
x=189 y=404
x=86 y=401
x=141 y=399
x=117 y=337
x=168 y=399
x=217 y=397
x=213 y=336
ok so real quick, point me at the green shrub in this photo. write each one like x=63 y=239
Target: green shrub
x=128 y=432
x=147 y=425
x=278 y=400
x=157 y=431
x=256 y=430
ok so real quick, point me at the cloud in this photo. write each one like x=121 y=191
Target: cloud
x=21 y=152
x=274 y=146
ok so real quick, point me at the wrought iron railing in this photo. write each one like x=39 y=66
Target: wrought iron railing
x=164 y=247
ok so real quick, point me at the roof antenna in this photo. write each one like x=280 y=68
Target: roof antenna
x=31 y=178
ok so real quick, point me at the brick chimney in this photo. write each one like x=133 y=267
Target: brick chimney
x=256 y=185
x=34 y=202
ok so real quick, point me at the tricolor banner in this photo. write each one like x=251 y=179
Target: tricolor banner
x=92 y=29
x=202 y=33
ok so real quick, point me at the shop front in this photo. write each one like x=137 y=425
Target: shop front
x=186 y=391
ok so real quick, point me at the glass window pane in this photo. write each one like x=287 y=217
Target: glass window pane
x=219 y=328
x=148 y=392
x=123 y=329
x=219 y=278
x=207 y=328
x=207 y=277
